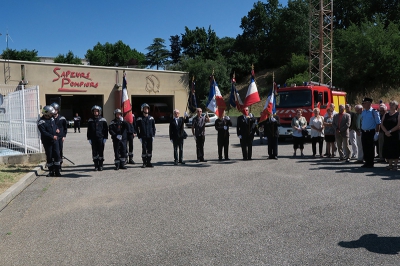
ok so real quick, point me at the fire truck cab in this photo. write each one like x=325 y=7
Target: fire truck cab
x=306 y=97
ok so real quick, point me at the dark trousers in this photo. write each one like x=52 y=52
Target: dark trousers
x=223 y=143
x=314 y=141
x=247 y=148
x=98 y=149
x=52 y=153
x=147 y=148
x=77 y=126
x=60 y=147
x=272 y=146
x=200 y=147
x=119 y=147
x=178 y=144
x=130 y=144
x=367 y=140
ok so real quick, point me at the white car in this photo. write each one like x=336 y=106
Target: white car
x=212 y=117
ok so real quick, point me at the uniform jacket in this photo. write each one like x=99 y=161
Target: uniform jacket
x=119 y=127
x=145 y=127
x=219 y=126
x=97 y=128
x=271 y=127
x=344 y=124
x=199 y=126
x=245 y=127
x=176 y=130
x=47 y=128
x=61 y=123
x=77 y=120
x=353 y=117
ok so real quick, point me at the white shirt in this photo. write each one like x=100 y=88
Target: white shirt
x=318 y=123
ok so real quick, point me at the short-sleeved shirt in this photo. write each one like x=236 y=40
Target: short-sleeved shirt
x=298 y=122
x=317 y=122
x=370 y=119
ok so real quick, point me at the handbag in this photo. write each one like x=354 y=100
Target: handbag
x=304 y=132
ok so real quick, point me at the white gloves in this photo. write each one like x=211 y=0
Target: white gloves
x=225 y=127
x=119 y=137
x=90 y=141
x=152 y=138
x=140 y=140
x=376 y=137
x=227 y=118
x=104 y=141
x=251 y=115
x=273 y=119
x=171 y=141
x=194 y=138
x=121 y=118
x=186 y=114
x=240 y=137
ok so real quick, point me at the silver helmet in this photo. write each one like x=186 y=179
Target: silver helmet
x=116 y=111
x=48 y=111
x=96 y=107
x=56 y=106
x=143 y=106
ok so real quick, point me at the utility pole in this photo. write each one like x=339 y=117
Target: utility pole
x=321 y=38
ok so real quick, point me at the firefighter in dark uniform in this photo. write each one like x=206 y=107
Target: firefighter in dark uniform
x=222 y=126
x=48 y=135
x=97 y=134
x=271 y=131
x=245 y=131
x=61 y=131
x=119 y=133
x=146 y=130
x=131 y=136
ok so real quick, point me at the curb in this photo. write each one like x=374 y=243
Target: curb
x=7 y=196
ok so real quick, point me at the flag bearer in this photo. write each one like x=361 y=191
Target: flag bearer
x=119 y=129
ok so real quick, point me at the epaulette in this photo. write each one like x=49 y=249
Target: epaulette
x=139 y=118
x=90 y=120
x=62 y=117
x=103 y=119
x=41 y=121
x=112 y=122
x=151 y=118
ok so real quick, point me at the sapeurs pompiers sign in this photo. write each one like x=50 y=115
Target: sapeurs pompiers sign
x=72 y=81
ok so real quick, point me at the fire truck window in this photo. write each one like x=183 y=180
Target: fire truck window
x=325 y=97
x=315 y=95
x=295 y=98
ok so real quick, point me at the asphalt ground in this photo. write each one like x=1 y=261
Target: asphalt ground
x=291 y=211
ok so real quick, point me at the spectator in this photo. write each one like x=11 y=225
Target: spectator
x=352 y=132
x=360 y=153
x=317 y=126
x=381 y=138
x=390 y=126
x=329 y=133
x=341 y=124
x=332 y=107
x=299 y=123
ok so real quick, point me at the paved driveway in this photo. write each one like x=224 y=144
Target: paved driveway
x=291 y=211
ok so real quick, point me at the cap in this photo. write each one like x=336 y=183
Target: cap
x=367 y=100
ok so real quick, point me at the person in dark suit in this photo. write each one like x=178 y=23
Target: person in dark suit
x=271 y=131
x=245 y=131
x=177 y=135
x=341 y=123
x=222 y=126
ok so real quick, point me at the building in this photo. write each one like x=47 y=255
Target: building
x=78 y=87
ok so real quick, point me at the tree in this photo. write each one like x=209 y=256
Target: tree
x=200 y=43
x=114 y=54
x=23 y=55
x=175 y=45
x=69 y=58
x=157 y=55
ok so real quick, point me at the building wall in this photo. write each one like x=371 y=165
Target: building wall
x=62 y=79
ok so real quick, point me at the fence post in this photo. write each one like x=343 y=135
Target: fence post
x=23 y=118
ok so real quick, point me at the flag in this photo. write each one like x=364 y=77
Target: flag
x=234 y=98
x=252 y=96
x=192 y=103
x=125 y=102
x=269 y=107
x=215 y=101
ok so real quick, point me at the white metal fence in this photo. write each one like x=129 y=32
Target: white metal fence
x=19 y=112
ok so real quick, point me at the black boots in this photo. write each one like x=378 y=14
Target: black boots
x=96 y=164
x=101 y=165
x=122 y=163
x=51 y=171
x=131 y=159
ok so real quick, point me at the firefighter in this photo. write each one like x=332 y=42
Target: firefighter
x=48 y=135
x=119 y=132
x=97 y=134
x=131 y=136
x=146 y=130
x=61 y=131
x=222 y=126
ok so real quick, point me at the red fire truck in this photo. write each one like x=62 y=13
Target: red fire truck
x=306 y=97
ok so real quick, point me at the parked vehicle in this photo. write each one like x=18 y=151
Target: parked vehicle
x=212 y=117
x=161 y=112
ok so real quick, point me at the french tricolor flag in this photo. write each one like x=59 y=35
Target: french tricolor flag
x=216 y=103
x=269 y=107
x=125 y=102
x=252 y=96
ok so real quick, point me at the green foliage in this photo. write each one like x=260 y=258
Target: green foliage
x=200 y=43
x=298 y=79
x=69 y=58
x=23 y=55
x=157 y=55
x=112 y=54
x=296 y=69
x=176 y=48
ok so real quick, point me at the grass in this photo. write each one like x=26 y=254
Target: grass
x=11 y=174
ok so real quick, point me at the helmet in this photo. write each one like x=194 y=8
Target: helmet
x=143 y=106
x=116 y=111
x=56 y=106
x=96 y=107
x=48 y=110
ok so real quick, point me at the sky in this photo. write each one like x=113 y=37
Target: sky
x=56 y=27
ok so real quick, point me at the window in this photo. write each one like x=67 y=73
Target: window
x=297 y=98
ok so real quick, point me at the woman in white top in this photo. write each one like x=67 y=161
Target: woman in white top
x=317 y=135
x=299 y=123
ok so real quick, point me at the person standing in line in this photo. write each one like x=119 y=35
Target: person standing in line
x=61 y=131
x=97 y=135
x=329 y=133
x=199 y=131
x=390 y=125
x=119 y=129
x=370 y=125
x=360 y=153
x=47 y=128
x=341 y=124
x=271 y=131
x=222 y=126
x=352 y=132
x=332 y=107
x=146 y=131
x=381 y=138
x=245 y=130
x=177 y=136
x=77 y=123
x=317 y=135
x=299 y=123
x=131 y=135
